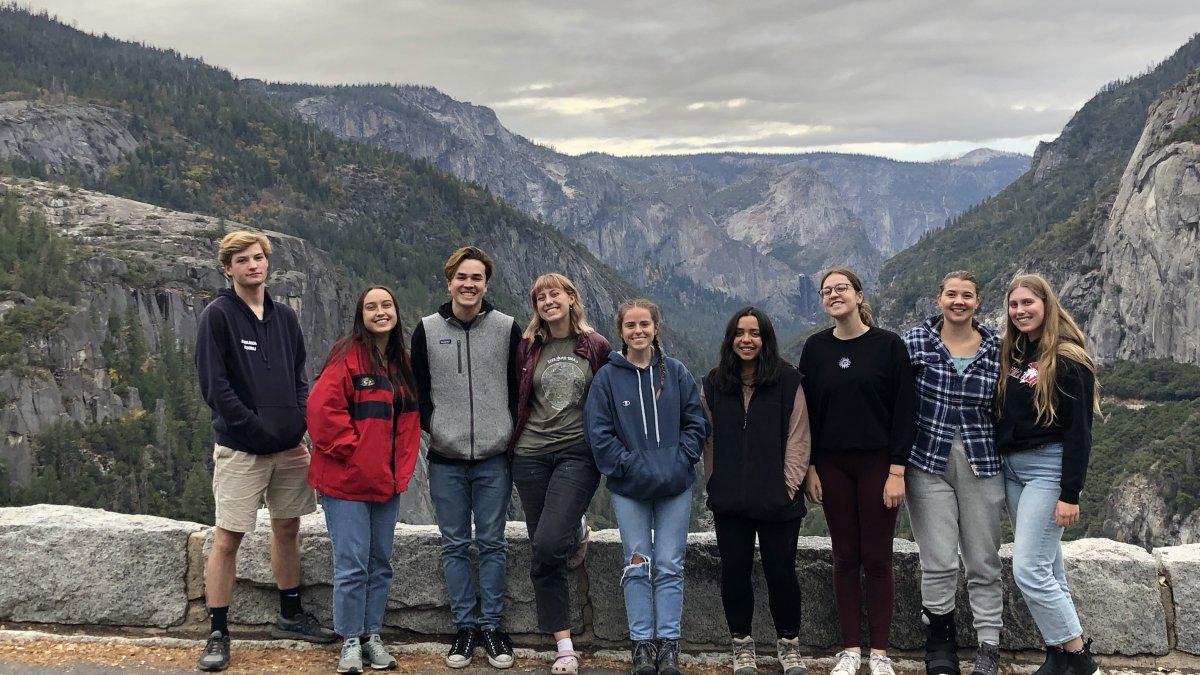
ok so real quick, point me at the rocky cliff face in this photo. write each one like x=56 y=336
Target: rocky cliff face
x=1147 y=251
x=157 y=265
x=63 y=139
x=1135 y=512
x=743 y=226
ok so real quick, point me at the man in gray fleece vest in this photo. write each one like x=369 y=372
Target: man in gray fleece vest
x=464 y=363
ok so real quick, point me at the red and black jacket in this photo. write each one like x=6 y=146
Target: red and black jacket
x=365 y=439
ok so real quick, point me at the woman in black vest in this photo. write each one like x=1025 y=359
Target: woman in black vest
x=755 y=463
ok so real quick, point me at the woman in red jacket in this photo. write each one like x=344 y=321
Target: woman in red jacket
x=363 y=419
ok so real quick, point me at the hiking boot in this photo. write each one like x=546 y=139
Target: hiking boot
x=744 y=656
x=351 y=659
x=668 y=657
x=216 y=652
x=645 y=657
x=304 y=627
x=941 y=643
x=788 y=652
x=377 y=655
x=462 y=650
x=848 y=663
x=498 y=647
x=1055 y=663
x=987 y=659
x=1081 y=662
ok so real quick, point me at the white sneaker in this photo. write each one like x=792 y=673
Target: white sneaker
x=881 y=665
x=848 y=663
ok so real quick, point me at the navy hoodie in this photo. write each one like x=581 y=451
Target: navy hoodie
x=645 y=445
x=252 y=374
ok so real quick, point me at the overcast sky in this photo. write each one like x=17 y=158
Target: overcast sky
x=911 y=79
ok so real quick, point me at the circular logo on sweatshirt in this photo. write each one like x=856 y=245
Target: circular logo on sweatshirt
x=844 y=362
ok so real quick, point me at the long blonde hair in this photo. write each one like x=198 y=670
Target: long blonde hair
x=1060 y=336
x=538 y=326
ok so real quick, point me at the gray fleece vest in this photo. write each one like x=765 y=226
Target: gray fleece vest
x=468 y=373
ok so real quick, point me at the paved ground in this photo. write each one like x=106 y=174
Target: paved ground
x=92 y=658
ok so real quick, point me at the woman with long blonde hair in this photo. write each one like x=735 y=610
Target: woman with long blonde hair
x=1046 y=399
x=552 y=467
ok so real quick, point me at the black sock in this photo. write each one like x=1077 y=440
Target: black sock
x=289 y=603
x=218 y=617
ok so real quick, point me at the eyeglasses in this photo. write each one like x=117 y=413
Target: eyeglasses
x=830 y=290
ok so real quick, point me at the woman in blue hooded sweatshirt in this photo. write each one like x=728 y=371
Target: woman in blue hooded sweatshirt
x=647 y=428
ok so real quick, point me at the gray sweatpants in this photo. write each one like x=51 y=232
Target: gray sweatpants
x=952 y=512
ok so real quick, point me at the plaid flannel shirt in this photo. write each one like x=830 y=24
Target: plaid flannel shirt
x=948 y=402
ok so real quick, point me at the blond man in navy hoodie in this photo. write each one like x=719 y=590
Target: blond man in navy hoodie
x=250 y=364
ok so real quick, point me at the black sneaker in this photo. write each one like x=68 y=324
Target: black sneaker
x=304 y=627
x=1081 y=662
x=462 y=650
x=1055 y=663
x=216 y=652
x=668 y=657
x=645 y=658
x=498 y=647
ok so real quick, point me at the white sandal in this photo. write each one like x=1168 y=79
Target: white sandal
x=565 y=663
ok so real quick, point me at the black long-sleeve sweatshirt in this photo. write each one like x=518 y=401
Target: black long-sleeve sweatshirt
x=860 y=394
x=1018 y=430
x=251 y=374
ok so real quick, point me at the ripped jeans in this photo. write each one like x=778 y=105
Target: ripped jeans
x=655 y=533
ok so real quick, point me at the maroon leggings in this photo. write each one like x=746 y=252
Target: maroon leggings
x=861 y=530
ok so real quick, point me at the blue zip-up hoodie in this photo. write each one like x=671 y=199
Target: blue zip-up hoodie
x=251 y=374
x=645 y=444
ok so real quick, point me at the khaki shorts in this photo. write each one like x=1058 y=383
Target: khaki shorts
x=242 y=482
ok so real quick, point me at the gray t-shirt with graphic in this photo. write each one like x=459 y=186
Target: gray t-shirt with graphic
x=560 y=382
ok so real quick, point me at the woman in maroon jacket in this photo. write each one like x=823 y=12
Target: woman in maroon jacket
x=363 y=419
x=553 y=467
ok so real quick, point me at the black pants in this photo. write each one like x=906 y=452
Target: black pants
x=555 y=490
x=777 y=544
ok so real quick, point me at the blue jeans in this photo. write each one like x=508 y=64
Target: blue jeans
x=362 y=534
x=461 y=492
x=657 y=531
x=1031 y=485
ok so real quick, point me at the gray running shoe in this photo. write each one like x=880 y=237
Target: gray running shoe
x=216 y=652
x=304 y=627
x=351 y=660
x=375 y=654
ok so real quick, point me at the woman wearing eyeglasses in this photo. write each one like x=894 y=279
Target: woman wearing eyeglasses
x=862 y=412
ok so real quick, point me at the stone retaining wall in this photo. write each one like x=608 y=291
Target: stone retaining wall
x=69 y=565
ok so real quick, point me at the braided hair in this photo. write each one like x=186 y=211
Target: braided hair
x=656 y=318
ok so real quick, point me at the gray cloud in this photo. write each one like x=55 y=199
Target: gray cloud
x=910 y=79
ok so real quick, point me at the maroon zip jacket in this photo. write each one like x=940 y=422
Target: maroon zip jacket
x=591 y=346
x=364 y=448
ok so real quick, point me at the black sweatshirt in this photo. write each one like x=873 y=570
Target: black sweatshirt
x=1017 y=429
x=860 y=394
x=251 y=374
